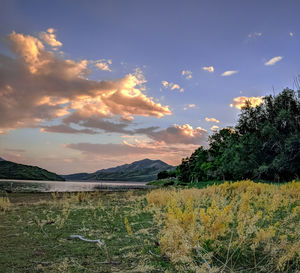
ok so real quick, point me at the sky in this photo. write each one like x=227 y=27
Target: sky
x=87 y=85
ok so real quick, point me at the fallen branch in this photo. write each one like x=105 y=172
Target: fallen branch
x=87 y=240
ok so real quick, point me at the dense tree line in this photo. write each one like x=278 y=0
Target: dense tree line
x=265 y=144
x=166 y=174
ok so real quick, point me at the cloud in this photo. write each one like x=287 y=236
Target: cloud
x=273 y=61
x=240 y=102
x=189 y=106
x=212 y=120
x=66 y=130
x=104 y=65
x=178 y=134
x=165 y=84
x=254 y=35
x=187 y=74
x=208 y=68
x=37 y=86
x=109 y=149
x=214 y=128
x=172 y=86
x=229 y=73
x=128 y=152
x=50 y=38
x=15 y=150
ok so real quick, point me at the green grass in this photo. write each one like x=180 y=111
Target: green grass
x=35 y=234
x=199 y=185
x=174 y=182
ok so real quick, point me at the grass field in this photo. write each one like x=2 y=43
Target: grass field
x=35 y=233
x=240 y=227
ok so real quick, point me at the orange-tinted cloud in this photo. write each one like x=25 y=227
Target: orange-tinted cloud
x=240 y=102
x=39 y=85
x=214 y=128
x=104 y=65
x=212 y=120
x=208 y=68
x=172 y=86
x=50 y=38
x=187 y=74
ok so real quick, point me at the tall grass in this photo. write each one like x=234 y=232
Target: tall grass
x=233 y=227
x=4 y=203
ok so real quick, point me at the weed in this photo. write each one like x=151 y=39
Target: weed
x=4 y=203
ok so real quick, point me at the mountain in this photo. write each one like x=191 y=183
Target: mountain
x=1 y=159
x=11 y=170
x=143 y=170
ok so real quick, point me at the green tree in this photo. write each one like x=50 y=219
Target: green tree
x=265 y=144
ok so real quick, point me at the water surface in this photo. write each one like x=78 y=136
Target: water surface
x=66 y=186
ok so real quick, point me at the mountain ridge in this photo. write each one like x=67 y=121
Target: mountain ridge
x=12 y=170
x=142 y=170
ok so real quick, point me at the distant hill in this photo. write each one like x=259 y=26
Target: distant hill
x=11 y=170
x=143 y=170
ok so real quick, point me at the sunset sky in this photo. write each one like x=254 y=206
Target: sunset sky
x=86 y=85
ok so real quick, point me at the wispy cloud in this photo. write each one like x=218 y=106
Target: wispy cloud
x=187 y=74
x=240 y=102
x=214 y=128
x=254 y=35
x=212 y=120
x=229 y=73
x=169 y=144
x=208 y=68
x=128 y=152
x=65 y=129
x=189 y=106
x=172 y=86
x=273 y=60
x=104 y=65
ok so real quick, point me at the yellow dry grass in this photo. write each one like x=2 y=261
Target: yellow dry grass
x=233 y=226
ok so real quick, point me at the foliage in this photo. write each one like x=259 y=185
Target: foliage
x=232 y=227
x=265 y=144
x=166 y=174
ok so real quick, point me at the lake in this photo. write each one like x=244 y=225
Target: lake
x=67 y=186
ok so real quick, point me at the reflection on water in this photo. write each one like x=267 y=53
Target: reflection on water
x=66 y=186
